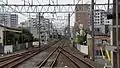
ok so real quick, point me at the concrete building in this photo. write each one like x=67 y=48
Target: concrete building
x=10 y=20
x=5 y=19
x=101 y=25
x=82 y=15
x=102 y=32
x=13 y=20
x=46 y=28
x=4 y=48
x=99 y=17
x=102 y=29
x=30 y=24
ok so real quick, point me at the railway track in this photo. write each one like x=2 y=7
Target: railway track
x=16 y=59
x=51 y=60
x=50 y=64
x=77 y=61
x=12 y=62
x=13 y=56
x=53 y=56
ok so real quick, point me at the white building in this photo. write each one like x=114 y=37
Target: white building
x=45 y=26
x=10 y=20
x=13 y=20
x=44 y=29
x=101 y=23
x=28 y=23
x=99 y=17
x=101 y=30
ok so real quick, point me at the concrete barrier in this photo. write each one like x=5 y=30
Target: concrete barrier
x=8 y=49
x=82 y=48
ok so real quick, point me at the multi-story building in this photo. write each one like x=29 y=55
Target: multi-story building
x=5 y=19
x=31 y=26
x=10 y=20
x=101 y=28
x=28 y=23
x=13 y=20
x=101 y=23
x=99 y=17
x=82 y=15
x=46 y=28
x=102 y=32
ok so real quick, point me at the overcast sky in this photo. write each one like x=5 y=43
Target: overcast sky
x=60 y=1
x=21 y=18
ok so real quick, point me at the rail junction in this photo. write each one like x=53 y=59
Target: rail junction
x=59 y=54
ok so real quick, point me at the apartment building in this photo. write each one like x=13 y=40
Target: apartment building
x=9 y=20
x=46 y=28
x=82 y=16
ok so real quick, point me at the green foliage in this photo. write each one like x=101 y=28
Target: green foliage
x=81 y=38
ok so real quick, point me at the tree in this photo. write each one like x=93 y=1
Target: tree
x=81 y=37
x=26 y=35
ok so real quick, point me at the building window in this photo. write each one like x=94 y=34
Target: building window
x=42 y=40
x=95 y=13
x=98 y=29
x=42 y=36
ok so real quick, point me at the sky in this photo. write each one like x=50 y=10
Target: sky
x=22 y=18
x=60 y=1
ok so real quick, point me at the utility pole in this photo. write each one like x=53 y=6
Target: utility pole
x=24 y=2
x=118 y=65
x=108 y=6
x=22 y=33
x=92 y=24
x=39 y=28
x=69 y=26
x=6 y=1
x=4 y=33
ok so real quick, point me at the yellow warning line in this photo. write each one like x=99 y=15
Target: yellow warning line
x=108 y=55
x=102 y=52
